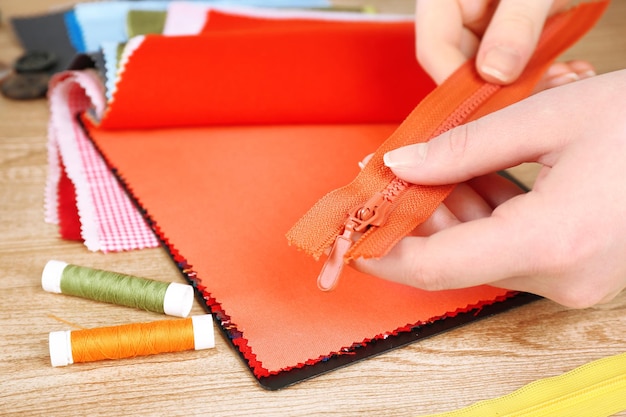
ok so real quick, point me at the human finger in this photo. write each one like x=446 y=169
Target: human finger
x=518 y=133
x=442 y=218
x=561 y=73
x=495 y=189
x=466 y=204
x=365 y=160
x=443 y=43
x=510 y=39
x=468 y=254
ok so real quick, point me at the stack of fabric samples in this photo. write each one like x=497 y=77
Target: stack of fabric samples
x=211 y=130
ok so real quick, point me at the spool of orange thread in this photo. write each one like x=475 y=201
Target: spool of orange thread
x=131 y=340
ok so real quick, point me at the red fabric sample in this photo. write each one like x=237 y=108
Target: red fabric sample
x=361 y=72
x=222 y=21
x=69 y=221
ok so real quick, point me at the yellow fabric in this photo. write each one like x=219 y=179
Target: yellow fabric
x=596 y=389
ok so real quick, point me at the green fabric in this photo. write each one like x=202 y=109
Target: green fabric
x=144 y=22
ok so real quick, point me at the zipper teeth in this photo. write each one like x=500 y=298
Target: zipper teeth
x=397 y=187
x=567 y=400
x=394 y=188
x=596 y=386
x=461 y=113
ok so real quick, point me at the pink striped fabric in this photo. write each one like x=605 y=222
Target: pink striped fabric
x=109 y=220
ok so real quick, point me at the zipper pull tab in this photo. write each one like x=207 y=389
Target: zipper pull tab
x=331 y=271
x=373 y=213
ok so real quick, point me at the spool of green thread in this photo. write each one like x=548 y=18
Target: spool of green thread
x=171 y=298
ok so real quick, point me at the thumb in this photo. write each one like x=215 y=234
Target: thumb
x=510 y=39
x=528 y=131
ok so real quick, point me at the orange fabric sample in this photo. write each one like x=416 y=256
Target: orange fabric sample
x=224 y=198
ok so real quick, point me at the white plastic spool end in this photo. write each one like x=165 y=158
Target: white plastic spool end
x=60 y=345
x=51 y=276
x=178 y=300
x=203 y=337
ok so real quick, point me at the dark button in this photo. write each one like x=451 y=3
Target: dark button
x=25 y=86
x=35 y=61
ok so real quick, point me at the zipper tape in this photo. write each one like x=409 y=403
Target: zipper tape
x=463 y=97
x=596 y=389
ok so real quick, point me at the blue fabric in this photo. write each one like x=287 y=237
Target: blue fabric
x=109 y=52
x=106 y=21
x=74 y=31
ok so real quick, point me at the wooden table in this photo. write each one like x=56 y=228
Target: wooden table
x=483 y=360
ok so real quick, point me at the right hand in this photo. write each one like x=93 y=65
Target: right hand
x=565 y=239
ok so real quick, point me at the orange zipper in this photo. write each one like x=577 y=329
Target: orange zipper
x=397 y=207
x=372 y=214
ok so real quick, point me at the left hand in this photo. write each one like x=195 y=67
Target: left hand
x=502 y=35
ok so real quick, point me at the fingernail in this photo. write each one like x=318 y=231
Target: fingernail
x=501 y=63
x=563 y=79
x=587 y=74
x=406 y=157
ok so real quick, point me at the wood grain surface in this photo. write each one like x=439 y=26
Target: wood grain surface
x=483 y=360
